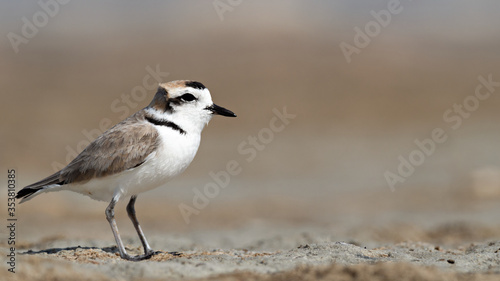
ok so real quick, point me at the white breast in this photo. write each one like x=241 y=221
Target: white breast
x=172 y=157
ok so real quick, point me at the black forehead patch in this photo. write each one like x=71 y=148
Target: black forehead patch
x=195 y=85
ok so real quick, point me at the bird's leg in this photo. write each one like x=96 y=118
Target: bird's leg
x=131 y=214
x=110 y=216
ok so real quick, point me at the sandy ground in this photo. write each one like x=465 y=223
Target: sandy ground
x=323 y=261
x=240 y=240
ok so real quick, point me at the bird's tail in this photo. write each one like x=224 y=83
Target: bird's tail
x=48 y=184
x=27 y=193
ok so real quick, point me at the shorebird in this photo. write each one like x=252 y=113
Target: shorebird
x=138 y=154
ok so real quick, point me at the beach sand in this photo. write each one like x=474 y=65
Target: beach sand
x=243 y=239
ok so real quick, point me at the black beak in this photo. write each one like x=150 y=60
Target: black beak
x=220 y=110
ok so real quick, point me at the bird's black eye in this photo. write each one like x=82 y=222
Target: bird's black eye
x=187 y=97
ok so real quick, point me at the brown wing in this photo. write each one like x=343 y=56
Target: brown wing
x=122 y=147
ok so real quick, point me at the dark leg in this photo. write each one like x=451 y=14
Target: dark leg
x=133 y=218
x=110 y=216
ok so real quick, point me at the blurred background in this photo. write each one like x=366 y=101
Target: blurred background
x=80 y=67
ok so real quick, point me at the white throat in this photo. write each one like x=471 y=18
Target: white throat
x=190 y=122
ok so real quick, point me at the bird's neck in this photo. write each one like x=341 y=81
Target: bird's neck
x=190 y=123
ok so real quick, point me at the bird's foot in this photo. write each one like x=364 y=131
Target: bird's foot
x=145 y=256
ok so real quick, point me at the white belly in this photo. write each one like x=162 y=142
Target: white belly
x=172 y=157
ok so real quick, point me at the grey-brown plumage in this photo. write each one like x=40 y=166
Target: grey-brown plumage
x=124 y=146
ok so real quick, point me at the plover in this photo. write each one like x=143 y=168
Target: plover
x=138 y=154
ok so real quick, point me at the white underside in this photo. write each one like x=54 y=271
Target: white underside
x=172 y=157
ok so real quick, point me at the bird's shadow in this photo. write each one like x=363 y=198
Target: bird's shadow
x=112 y=250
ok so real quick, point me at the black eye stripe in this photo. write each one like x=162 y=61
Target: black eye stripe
x=187 y=97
